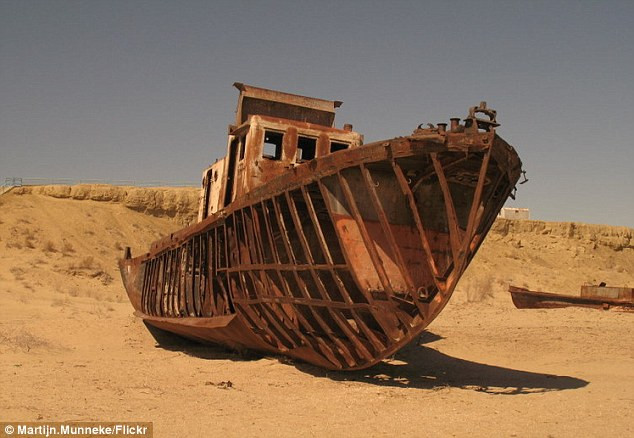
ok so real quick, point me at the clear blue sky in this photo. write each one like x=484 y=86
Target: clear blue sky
x=142 y=89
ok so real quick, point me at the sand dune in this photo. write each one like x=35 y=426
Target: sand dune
x=58 y=244
x=70 y=349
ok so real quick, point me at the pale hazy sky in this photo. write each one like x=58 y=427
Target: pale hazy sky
x=142 y=89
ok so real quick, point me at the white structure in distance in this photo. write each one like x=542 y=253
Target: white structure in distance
x=514 y=213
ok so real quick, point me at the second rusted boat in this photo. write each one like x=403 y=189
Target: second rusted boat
x=314 y=245
x=597 y=297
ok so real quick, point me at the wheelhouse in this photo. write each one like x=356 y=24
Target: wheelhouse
x=274 y=132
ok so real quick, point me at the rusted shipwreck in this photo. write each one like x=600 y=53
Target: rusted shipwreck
x=597 y=297
x=314 y=245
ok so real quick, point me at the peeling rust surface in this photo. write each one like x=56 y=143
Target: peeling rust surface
x=325 y=249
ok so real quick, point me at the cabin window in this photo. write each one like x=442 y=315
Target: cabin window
x=306 y=148
x=272 y=145
x=336 y=146
x=243 y=146
x=231 y=170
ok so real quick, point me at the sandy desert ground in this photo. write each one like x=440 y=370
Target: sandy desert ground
x=70 y=348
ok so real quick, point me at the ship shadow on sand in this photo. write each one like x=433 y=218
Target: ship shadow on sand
x=415 y=366
x=418 y=366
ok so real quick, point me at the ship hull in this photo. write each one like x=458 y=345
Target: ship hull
x=341 y=262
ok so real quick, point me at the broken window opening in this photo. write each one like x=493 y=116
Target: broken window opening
x=231 y=170
x=336 y=146
x=306 y=148
x=243 y=146
x=272 y=148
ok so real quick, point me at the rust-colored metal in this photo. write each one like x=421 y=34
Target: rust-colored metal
x=597 y=297
x=313 y=245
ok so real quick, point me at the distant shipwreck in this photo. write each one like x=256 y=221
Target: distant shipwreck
x=314 y=245
x=597 y=297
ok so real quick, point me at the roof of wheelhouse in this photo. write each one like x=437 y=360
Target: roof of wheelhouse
x=260 y=101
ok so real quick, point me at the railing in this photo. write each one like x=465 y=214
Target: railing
x=17 y=182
